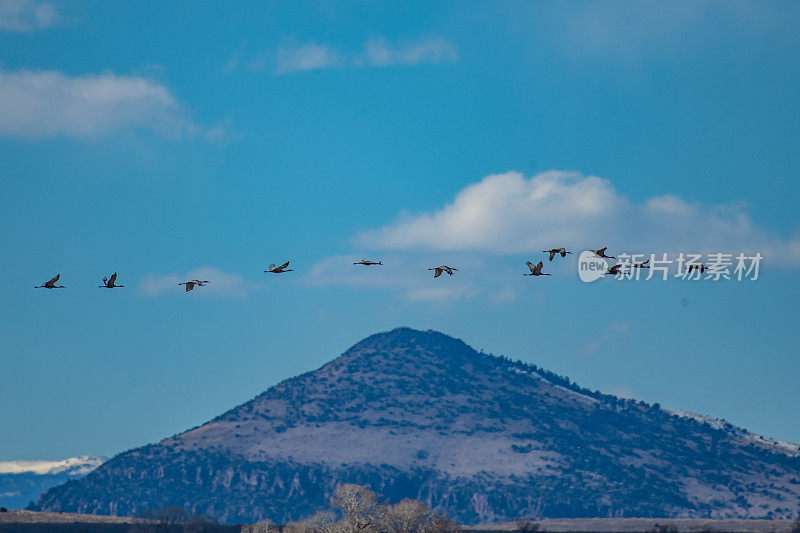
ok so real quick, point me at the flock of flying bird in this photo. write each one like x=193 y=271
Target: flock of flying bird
x=536 y=270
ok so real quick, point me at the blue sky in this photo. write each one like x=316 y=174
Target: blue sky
x=198 y=138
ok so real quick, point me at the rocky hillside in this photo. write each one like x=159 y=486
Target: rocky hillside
x=482 y=438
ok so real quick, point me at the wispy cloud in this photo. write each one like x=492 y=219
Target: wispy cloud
x=26 y=15
x=376 y=52
x=510 y=214
x=379 y=53
x=441 y=294
x=40 y=104
x=612 y=333
x=407 y=274
x=305 y=57
x=222 y=284
x=634 y=31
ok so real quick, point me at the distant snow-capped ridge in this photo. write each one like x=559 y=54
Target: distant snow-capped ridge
x=77 y=466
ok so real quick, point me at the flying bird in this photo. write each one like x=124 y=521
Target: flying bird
x=602 y=253
x=560 y=251
x=110 y=283
x=368 y=263
x=279 y=269
x=191 y=283
x=613 y=270
x=646 y=264
x=51 y=284
x=536 y=270
x=438 y=270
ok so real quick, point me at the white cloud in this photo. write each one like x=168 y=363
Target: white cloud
x=222 y=284
x=441 y=294
x=510 y=214
x=38 y=103
x=505 y=295
x=379 y=53
x=77 y=465
x=306 y=57
x=26 y=15
x=376 y=52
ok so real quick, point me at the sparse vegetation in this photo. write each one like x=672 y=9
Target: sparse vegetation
x=356 y=509
x=264 y=526
x=175 y=519
x=526 y=525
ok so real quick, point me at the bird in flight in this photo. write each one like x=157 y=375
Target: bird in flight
x=437 y=271
x=51 y=284
x=110 y=283
x=613 y=270
x=646 y=264
x=536 y=270
x=191 y=283
x=368 y=263
x=279 y=269
x=602 y=253
x=560 y=251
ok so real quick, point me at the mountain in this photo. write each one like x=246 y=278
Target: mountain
x=22 y=482
x=420 y=414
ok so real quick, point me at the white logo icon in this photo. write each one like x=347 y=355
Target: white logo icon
x=591 y=267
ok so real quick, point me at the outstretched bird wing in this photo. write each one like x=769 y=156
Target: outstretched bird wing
x=113 y=279
x=437 y=272
x=531 y=266
x=286 y=264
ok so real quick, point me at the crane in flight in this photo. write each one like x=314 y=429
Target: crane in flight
x=437 y=271
x=368 y=263
x=50 y=284
x=192 y=282
x=110 y=283
x=279 y=269
x=553 y=251
x=536 y=270
x=602 y=253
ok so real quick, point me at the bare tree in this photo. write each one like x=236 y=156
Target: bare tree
x=165 y=520
x=324 y=522
x=442 y=524
x=526 y=525
x=361 y=512
x=264 y=526
x=360 y=507
x=297 y=527
x=407 y=516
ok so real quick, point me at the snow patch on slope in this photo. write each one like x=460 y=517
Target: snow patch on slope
x=775 y=445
